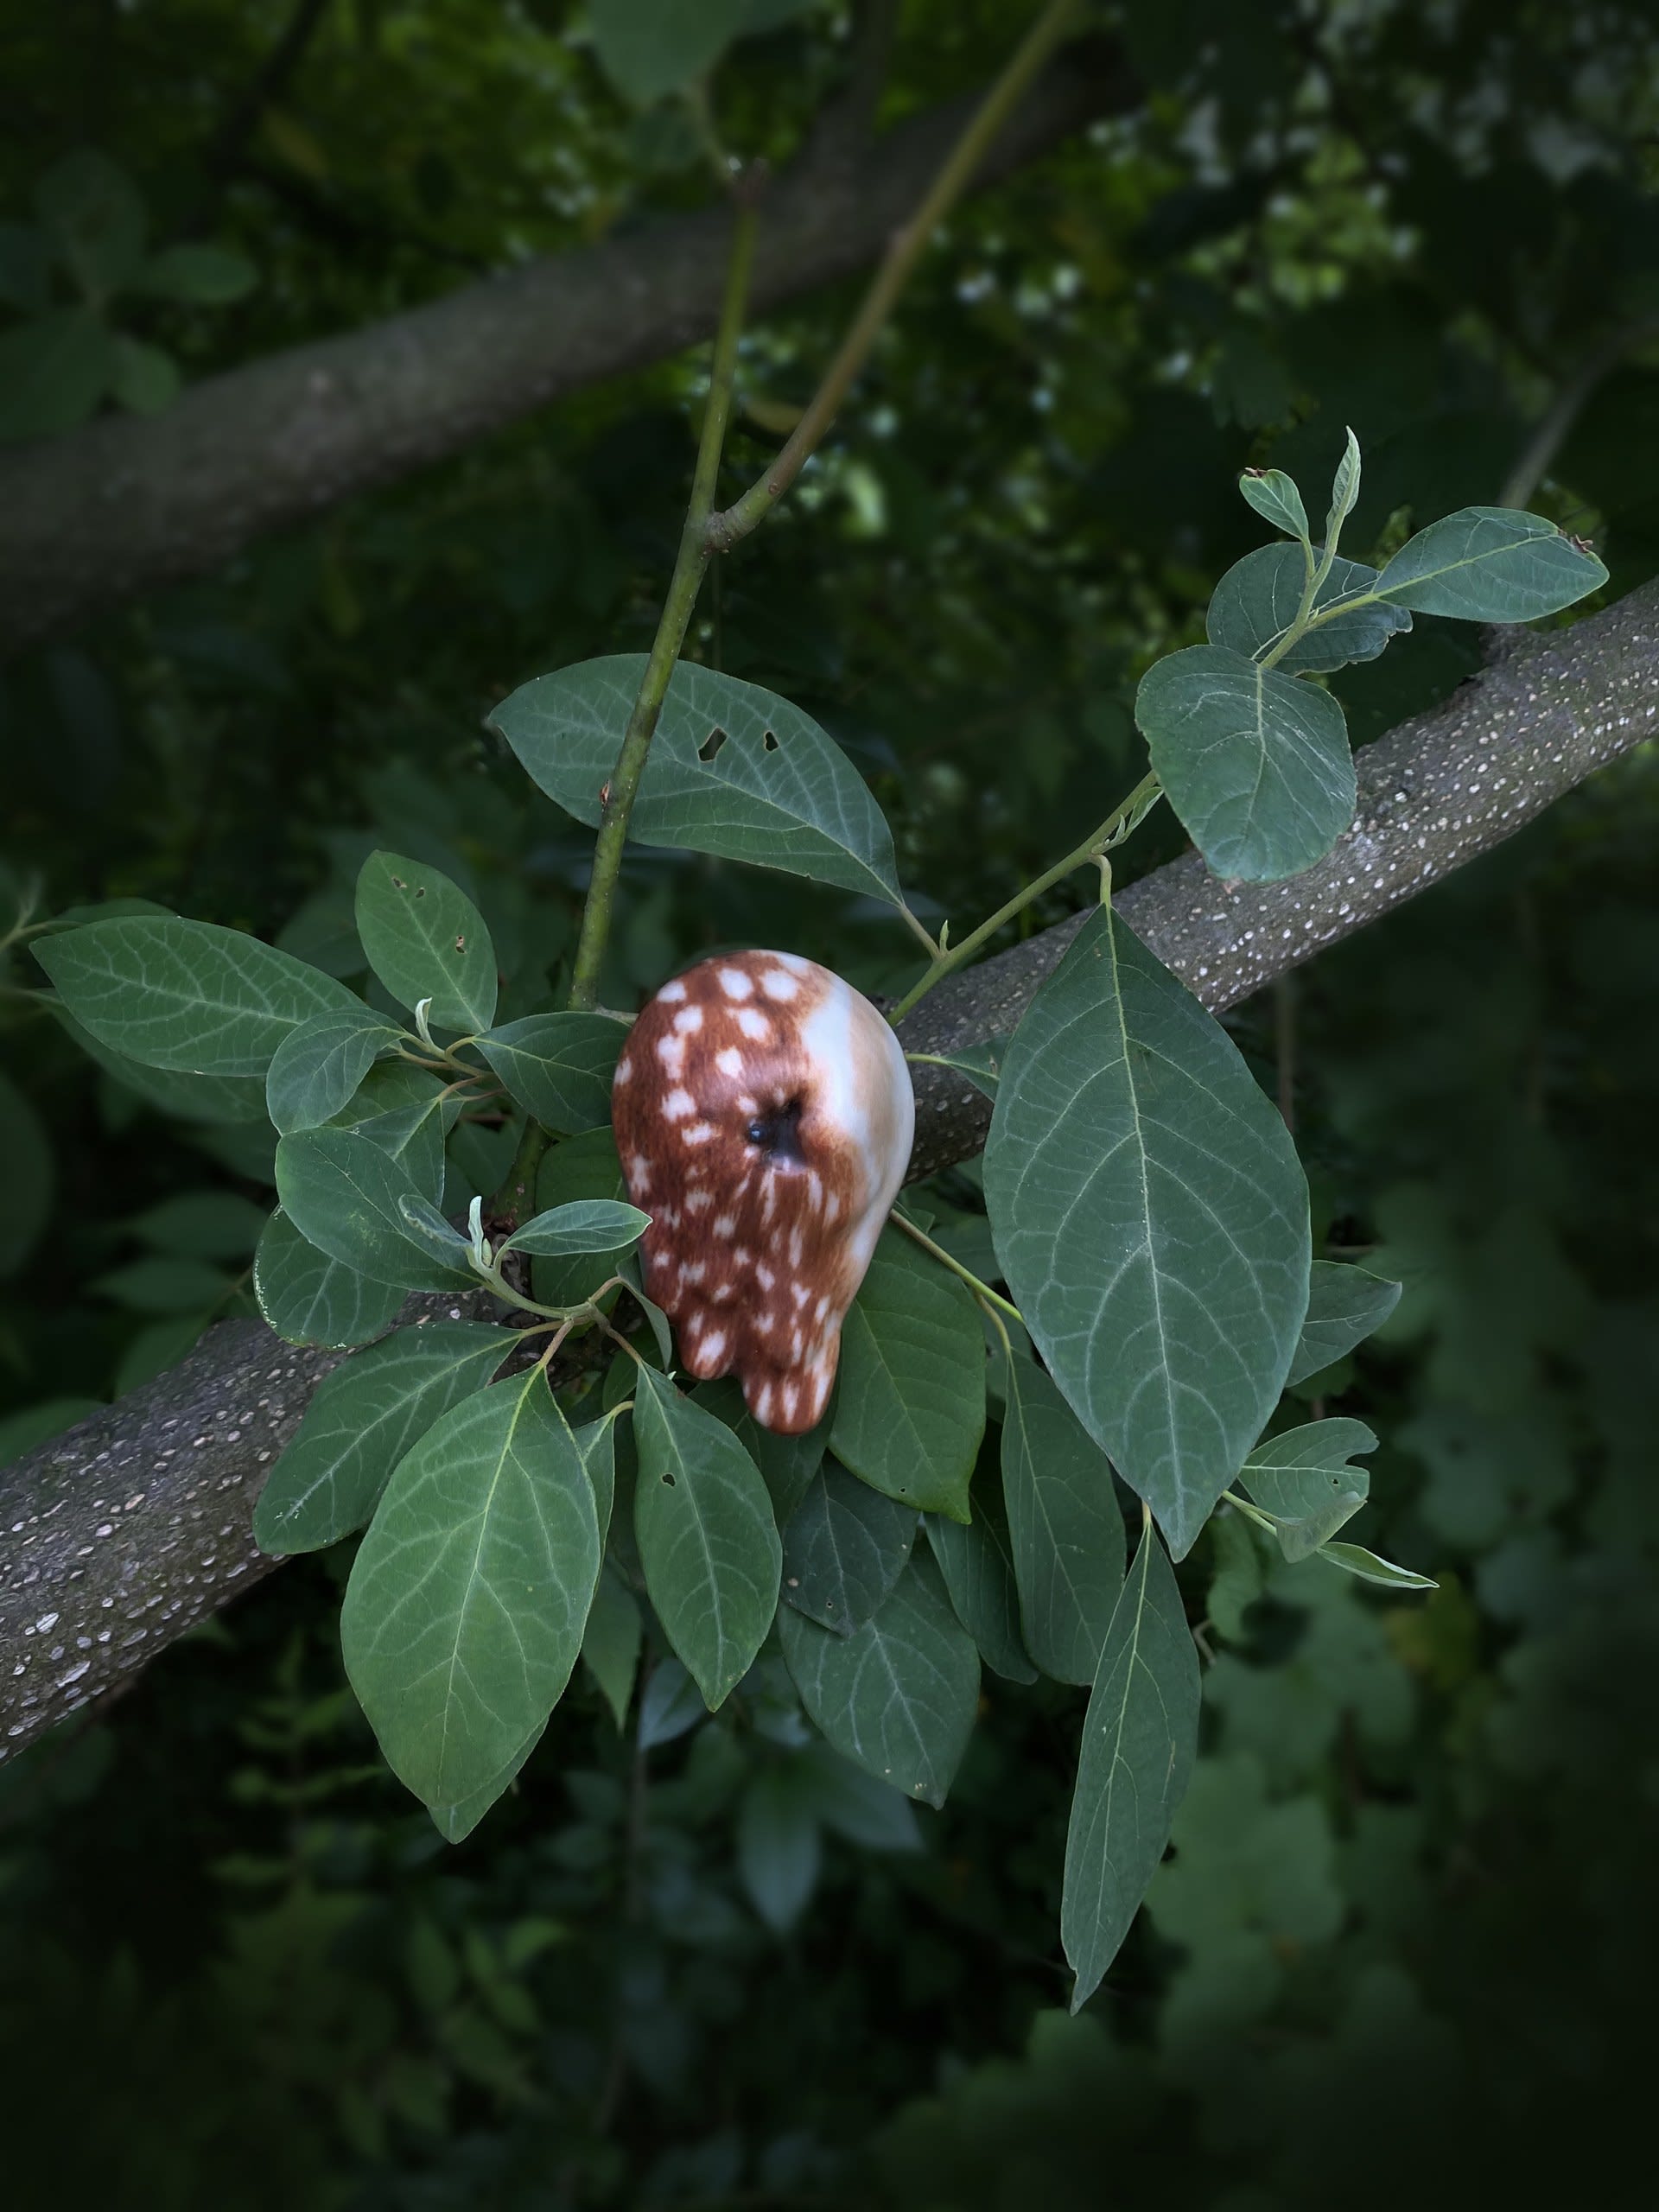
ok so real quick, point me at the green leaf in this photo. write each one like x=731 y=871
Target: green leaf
x=558 y=1066
x=315 y=1070
x=345 y=1195
x=363 y=1419
x=38 y=1424
x=977 y=1564
x=161 y=1285
x=778 y=1848
x=610 y=1648
x=1491 y=564
x=201 y=1225
x=707 y=1538
x=1259 y=598
x=871 y=1814
x=900 y=1694
x=309 y=1299
x=596 y=1441
x=26 y=1175
x=733 y=770
x=670 y=1705
x=1139 y=1738
x=186 y=994
x=1345 y=490
x=1354 y=1559
x=54 y=370
x=1152 y=1219
x=910 y=1411
x=25 y=268
x=1275 y=497
x=201 y=275
x=426 y=940
x=1237 y=1581
x=650 y=47
x=406 y=1113
x=1304 y=1480
x=231 y=1098
x=90 y=207
x=590 y=1226
x=1065 y=1534
x=142 y=379
x=1345 y=1304
x=1255 y=763
x=982 y=1063
x=454 y=1823
x=787 y=1464
x=469 y=1596
x=844 y=1549
x=584 y=1166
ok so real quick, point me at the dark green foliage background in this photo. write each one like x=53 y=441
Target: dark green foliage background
x=1403 y=1943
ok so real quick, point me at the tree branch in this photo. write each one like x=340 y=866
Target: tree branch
x=126 y=505
x=125 y=1531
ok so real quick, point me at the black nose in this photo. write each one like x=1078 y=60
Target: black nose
x=778 y=1133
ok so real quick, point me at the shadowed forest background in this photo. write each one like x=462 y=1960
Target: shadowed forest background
x=1405 y=1939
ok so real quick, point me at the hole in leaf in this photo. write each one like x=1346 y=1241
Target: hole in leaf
x=769 y=742
x=711 y=744
x=669 y=1480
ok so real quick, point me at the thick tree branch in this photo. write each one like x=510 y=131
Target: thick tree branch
x=118 y=1535
x=129 y=504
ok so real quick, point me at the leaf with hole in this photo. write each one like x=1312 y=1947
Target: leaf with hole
x=558 y=1066
x=1303 y=1478
x=898 y=1695
x=1259 y=598
x=1256 y=764
x=186 y=995
x=315 y=1070
x=910 y=1410
x=426 y=941
x=707 y=1538
x=733 y=770
x=844 y=1549
x=345 y=1195
x=1345 y=1304
x=1153 y=1221
x=1065 y=1534
x=362 y=1420
x=1491 y=564
x=469 y=1596
x=1140 y=1736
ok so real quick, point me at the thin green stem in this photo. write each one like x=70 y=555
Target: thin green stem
x=1251 y=1512
x=905 y=251
x=983 y=1291
x=689 y=564
x=1112 y=831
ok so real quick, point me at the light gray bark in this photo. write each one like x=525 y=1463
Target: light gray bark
x=128 y=504
x=121 y=1533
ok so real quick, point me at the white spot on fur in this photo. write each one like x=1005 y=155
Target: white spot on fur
x=689 y=1021
x=753 y=1023
x=778 y=985
x=624 y=1069
x=725 y=1225
x=672 y=994
x=677 y=1105
x=736 y=983
x=699 y=1133
x=729 y=1061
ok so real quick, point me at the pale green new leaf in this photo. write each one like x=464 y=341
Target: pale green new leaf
x=363 y=1419
x=187 y=995
x=898 y=1695
x=1140 y=1736
x=1275 y=497
x=558 y=1066
x=469 y=1596
x=1354 y=1559
x=1303 y=1478
x=1345 y=490
x=733 y=770
x=1065 y=1534
x=1345 y=1304
x=427 y=941
x=345 y=1195
x=310 y=1299
x=587 y=1225
x=844 y=1549
x=315 y=1070
x=1152 y=1219
x=1491 y=564
x=910 y=1410
x=1259 y=598
x=707 y=1538
x=1256 y=763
